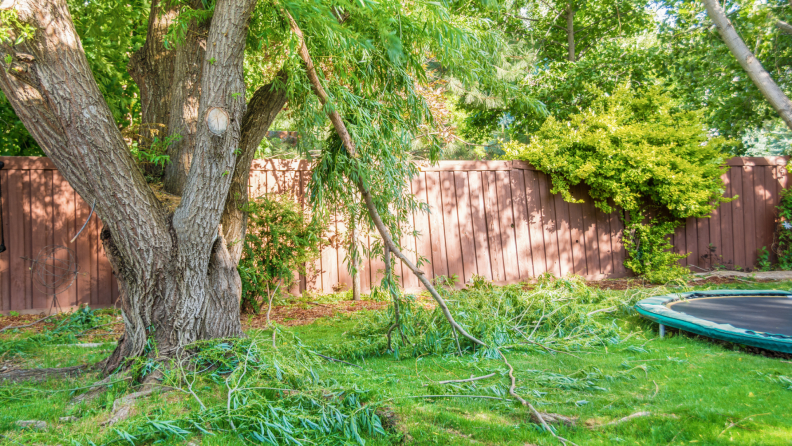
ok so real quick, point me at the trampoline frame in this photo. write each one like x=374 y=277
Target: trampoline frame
x=657 y=309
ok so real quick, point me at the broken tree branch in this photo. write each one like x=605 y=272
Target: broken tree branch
x=346 y=139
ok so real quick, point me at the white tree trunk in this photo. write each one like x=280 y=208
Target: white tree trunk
x=760 y=77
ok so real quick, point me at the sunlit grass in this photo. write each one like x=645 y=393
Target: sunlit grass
x=697 y=391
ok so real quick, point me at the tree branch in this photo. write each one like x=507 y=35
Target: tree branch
x=349 y=145
x=785 y=27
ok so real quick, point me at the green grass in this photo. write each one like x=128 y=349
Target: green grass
x=696 y=390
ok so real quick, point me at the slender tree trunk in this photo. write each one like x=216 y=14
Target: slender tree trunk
x=178 y=282
x=570 y=19
x=760 y=77
x=355 y=258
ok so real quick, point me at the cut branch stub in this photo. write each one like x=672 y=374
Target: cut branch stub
x=217 y=120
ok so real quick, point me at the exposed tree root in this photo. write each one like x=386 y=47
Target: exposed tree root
x=43 y=374
x=123 y=408
x=96 y=389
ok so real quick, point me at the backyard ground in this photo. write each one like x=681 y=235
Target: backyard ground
x=680 y=390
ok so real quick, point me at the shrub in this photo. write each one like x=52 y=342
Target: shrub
x=281 y=238
x=639 y=153
x=784 y=230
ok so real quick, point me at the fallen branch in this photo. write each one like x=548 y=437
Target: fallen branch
x=477 y=378
x=336 y=360
x=96 y=389
x=731 y=425
x=11 y=327
x=539 y=418
x=633 y=416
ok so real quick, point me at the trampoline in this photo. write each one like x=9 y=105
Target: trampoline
x=757 y=318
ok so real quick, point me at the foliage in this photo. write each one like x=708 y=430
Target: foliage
x=157 y=153
x=763 y=259
x=65 y=330
x=272 y=396
x=784 y=230
x=704 y=75
x=640 y=153
x=650 y=251
x=559 y=314
x=280 y=240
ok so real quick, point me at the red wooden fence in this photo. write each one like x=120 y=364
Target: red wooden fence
x=496 y=219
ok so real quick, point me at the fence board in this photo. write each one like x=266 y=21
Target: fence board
x=493 y=226
x=466 y=235
x=497 y=219
x=507 y=227
x=522 y=229
x=451 y=225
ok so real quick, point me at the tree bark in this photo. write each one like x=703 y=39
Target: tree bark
x=355 y=258
x=151 y=67
x=760 y=77
x=570 y=19
x=177 y=280
x=185 y=96
x=263 y=107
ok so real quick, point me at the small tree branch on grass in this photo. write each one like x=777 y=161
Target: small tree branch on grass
x=477 y=378
x=11 y=327
x=630 y=417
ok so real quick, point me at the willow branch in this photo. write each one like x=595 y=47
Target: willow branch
x=341 y=129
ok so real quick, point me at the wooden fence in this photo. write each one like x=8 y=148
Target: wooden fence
x=496 y=219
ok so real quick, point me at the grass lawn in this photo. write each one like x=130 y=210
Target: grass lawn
x=697 y=391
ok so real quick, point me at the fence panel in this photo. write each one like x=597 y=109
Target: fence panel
x=495 y=219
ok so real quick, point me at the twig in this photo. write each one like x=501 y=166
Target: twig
x=530 y=406
x=484 y=397
x=731 y=425
x=335 y=360
x=657 y=389
x=607 y=310
x=10 y=327
x=630 y=417
x=467 y=380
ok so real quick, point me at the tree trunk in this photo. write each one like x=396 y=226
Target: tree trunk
x=760 y=77
x=185 y=94
x=178 y=282
x=570 y=19
x=264 y=106
x=355 y=258
x=151 y=67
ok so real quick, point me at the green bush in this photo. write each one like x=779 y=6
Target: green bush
x=639 y=153
x=281 y=238
x=784 y=230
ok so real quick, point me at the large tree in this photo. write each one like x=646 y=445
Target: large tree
x=177 y=270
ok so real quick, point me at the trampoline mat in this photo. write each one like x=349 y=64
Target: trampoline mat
x=768 y=314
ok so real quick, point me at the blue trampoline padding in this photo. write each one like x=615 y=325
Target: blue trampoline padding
x=657 y=309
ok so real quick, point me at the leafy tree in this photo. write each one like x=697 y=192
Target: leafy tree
x=704 y=75
x=177 y=271
x=640 y=153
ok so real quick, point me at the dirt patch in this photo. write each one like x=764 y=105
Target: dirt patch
x=637 y=282
x=306 y=313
